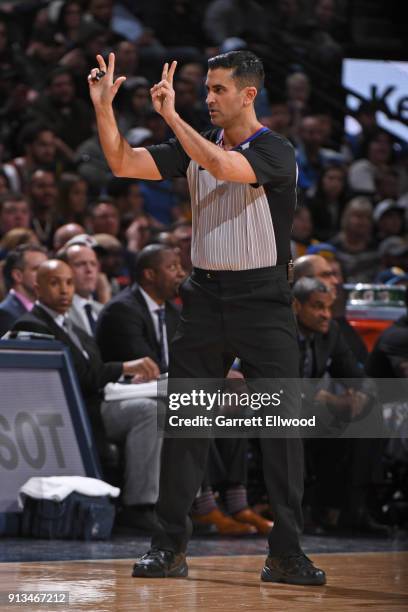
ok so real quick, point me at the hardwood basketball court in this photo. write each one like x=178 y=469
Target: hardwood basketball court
x=358 y=581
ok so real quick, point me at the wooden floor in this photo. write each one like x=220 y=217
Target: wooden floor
x=360 y=581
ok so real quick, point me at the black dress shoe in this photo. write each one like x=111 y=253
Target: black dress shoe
x=159 y=563
x=293 y=568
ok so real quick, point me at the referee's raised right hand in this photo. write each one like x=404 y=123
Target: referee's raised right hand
x=102 y=87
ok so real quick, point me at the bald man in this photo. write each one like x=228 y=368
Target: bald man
x=315 y=266
x=65 y=233
x=55 y=290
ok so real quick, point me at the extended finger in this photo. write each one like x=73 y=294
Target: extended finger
x=118 y=83
x=111 y=65
x=101 y=62
x=165 y=71
x=171 y=72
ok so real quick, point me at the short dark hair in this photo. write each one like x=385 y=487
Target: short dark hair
x=304 y=287
x=149 y=257
x=15 y=259
x=248 y=69
x=31 y=131
x=56 y=72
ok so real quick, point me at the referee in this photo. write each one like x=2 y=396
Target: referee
x=237 y=301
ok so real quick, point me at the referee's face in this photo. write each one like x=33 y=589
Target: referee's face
x=224 y=100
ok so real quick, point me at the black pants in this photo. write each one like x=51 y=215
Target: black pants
x=245 y=314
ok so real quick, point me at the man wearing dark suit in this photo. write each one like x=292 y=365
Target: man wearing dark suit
x=20 y=269
x=130 y=325
x=140 y=322
x=344 y=468
x=55 y=290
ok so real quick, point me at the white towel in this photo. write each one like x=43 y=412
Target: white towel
x=58 y=488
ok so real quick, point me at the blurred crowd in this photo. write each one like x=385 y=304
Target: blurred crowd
x=54 y=180
x=56 y=190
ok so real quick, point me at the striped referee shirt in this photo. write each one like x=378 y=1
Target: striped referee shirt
x=238 y=226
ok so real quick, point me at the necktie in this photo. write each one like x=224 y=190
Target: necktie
x=161 y=313
x=68 y=328
x=89 y=316
x=306 y=352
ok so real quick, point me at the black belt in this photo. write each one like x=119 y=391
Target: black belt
x=283 y=271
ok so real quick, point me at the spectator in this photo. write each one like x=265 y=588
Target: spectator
x=160 y=200
x=14 y=212
x=140 y=322
x=55 y=290
x=73 y=199
x=91 y=165
x=389 y=357
x=129 y=325
x=376 y=158
x=327 y=269
x=311 y=157
x=59 y=106
x=225 y=19
x=327 y=204
x=355 y=245
x=126 y=58
x=64 y=233
x=105 y=218
x=302 y=232
x=133 y=103
x=337 y=501
x=389 y=219
x=69 y=21
x=85 y=309
x=45 y=48
x=20 y=269
x=279 y=119
x=138 y=233
x=40 y=152
x=188 y=105
x=315 y=266
x=111 y=258
x=298 y=92
x=366 y=116
x=42 y=190
x=91 y=39
x=127 y=196
x=393 y=252
x=17 y=236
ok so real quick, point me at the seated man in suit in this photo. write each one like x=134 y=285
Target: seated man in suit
x=85 y=268
x=55 y=290
x=344 y=467
x=322 y=268
x=20 y=269
x=140 y=322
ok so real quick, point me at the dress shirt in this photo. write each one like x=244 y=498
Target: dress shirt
x=153 y=306
x=28 y=304
x=64 y=323
x=80 y=303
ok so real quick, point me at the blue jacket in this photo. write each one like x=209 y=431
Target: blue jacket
x=11 y=309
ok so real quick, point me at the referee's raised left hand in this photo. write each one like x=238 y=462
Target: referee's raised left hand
x=163 y=96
